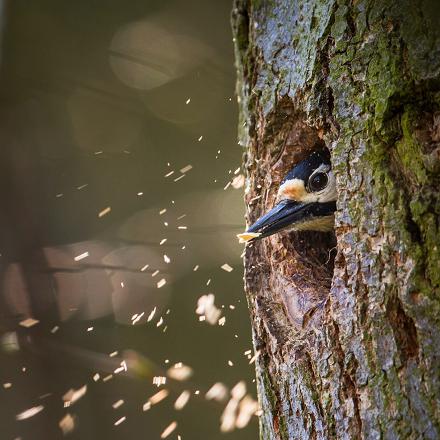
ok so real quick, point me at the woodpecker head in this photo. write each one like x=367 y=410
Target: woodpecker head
x=306 y=200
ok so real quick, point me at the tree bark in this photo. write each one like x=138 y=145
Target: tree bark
x=347 y=325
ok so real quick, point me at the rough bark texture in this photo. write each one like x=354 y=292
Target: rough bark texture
x=349 y=344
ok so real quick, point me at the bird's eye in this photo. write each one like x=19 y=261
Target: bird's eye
x=318 y=182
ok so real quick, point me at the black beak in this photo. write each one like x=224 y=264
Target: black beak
x=288 y=214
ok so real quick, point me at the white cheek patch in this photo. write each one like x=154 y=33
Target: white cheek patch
x=294 y=189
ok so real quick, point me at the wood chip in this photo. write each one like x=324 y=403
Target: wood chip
x=182 y=400
x=73 y=395
x=117 y=404
x=186 y=169
x=180 y=372
x=121 y=420
x=169 y=430
x=227 y=268
x=158 y=397
x=81 y=256
x=217 y=392
x=29 y=322
x=151 y=315
x=246 y=236
x=67 y=424
x=104 y=212
x=29 y=412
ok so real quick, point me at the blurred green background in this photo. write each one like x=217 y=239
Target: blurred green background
x=99 y=101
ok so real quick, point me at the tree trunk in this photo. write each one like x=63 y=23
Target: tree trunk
x=347 y=329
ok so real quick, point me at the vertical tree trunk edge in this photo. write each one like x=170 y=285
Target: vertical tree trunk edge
x=349 y=345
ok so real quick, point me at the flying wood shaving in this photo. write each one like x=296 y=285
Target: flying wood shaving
x=104 y=212
x=207 y=308
x=73 y=395
x=67 y=424
x=29 y=412
x=222 y=321
x=227 y=268
x=239 y=390
x=29 y=322
x=161 y=283
x=81 y=256
x=248 y=407
x=158 y=397
x=229 y=416
x=123 y=367
x=182 y=400
x=254 y=357
x=121 y=420
x=167 y=259
x=159 y=380
x=169 y=430
x=246 y=236
x=186 y=169
x=238 y=181
x=180 y=372
x=117 y=404
x=151 y=315
x=138 y=318
x=217 y=392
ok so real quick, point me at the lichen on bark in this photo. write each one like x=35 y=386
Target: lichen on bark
x=350 y=349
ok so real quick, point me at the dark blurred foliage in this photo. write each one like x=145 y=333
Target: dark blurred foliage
x=99 y=100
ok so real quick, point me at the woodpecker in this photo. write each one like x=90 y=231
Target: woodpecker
x=306 y=200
